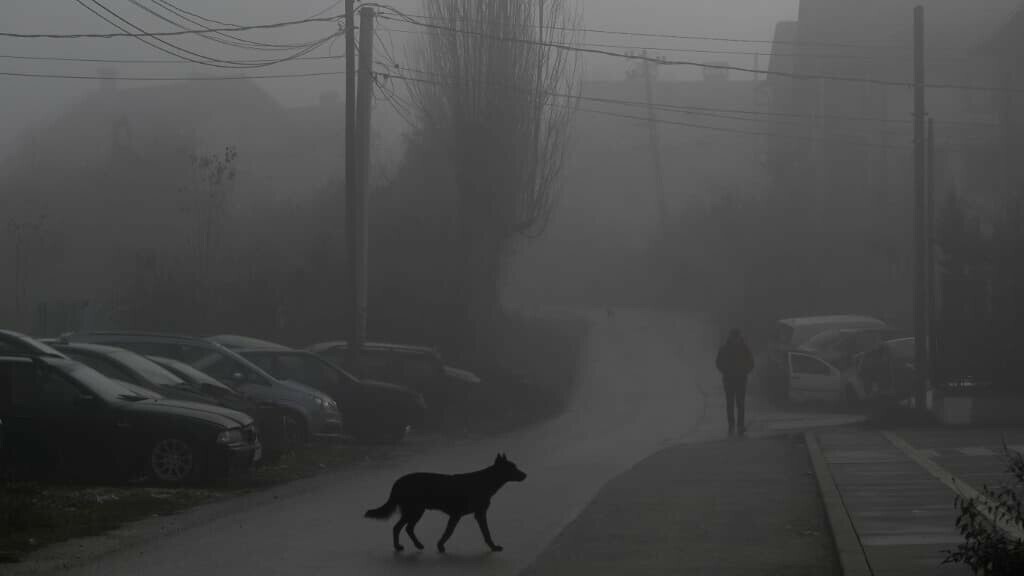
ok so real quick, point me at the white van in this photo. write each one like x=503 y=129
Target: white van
x=792 y=332
x=792 y=373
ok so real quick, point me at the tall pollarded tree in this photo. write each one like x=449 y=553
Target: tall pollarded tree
x=496 y=91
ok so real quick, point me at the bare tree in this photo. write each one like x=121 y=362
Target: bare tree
x=496 y=91
x=205 y=199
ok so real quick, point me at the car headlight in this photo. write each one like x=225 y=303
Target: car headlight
x=233 y=436
x=331 y=405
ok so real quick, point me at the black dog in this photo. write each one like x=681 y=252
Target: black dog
x=454 y=494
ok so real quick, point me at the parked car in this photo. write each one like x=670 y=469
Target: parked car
x=773 y=368
x=317 y=414
x=373 y=411
x=63 y=418
x=812 y=378
x=126 y=366
x=840 y=346
x=793 y=332
x=278 y=432
x=12 y=342
x=416 y=367
x=886 y=372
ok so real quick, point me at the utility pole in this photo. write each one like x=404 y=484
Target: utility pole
x=652 y=122
x=920 y=177
x=351 y=183
x=364 y=107
x=1006 y=190
x=930 y=256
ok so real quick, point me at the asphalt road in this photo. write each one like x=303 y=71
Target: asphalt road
x=643 y=389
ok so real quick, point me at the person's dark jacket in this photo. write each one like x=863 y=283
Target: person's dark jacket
x=734 y=361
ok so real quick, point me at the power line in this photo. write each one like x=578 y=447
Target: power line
x=709 y=111
x=727 y=52
x=172 y=49
x=703 y=65
x=184 y=53
x=225 y=38
x=109 y=35
x=738 y=131
x=176 y=61
x=611 y=32
x=169 y=78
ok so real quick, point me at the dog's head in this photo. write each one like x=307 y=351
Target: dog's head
x=508 y=470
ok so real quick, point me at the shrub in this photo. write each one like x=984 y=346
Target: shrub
x=987 y=549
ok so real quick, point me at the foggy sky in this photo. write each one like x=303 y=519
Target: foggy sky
x=26 y=101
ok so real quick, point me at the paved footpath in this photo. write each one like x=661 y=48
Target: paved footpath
x=890 y=494
x=742 y=506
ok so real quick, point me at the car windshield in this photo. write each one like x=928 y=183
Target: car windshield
x=105 y=388
x=226 y=367
x=30 y=343
x=149 y=370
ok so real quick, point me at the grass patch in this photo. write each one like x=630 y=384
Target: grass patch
x=34 y=515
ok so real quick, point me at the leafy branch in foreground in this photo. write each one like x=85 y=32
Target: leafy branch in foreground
x=988 y=549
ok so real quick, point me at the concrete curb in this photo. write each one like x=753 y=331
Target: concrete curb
x=852 y=558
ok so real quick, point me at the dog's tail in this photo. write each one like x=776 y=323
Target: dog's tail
x=385 y=511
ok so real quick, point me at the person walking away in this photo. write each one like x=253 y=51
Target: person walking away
x=735 y=362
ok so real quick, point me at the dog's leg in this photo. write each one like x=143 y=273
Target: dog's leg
x=396 y=532
x=414 y=517
x=453 y=521
x=481 y=519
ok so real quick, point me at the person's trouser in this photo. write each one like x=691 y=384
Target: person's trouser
x=735 y=401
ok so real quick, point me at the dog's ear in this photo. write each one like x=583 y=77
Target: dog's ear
x=497 y=459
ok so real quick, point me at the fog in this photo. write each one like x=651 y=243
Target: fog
x=28 y=101
x=570 y=245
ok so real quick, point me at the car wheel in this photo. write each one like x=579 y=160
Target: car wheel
x=173 y=461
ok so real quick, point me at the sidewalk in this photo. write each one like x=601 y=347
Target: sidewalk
x=890 y=494
x=743 y=506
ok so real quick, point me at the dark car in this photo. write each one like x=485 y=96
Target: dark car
x=318 y=414
x=62 y=418
x=374 y=411
x=12 y=342
x=278 y=431
x=418 y=368
x=885 y=373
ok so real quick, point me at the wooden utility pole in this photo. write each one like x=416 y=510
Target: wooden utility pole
x=655 y=140
x=358 y=218
x=920 y=184
x=351 y=183
x=929 y=233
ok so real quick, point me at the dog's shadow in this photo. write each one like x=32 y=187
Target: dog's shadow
x=416 y=558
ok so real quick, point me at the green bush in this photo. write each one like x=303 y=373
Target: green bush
x=987 y=549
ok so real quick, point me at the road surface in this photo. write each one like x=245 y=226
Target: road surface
x=648 y=382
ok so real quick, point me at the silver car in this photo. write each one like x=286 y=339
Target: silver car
x=316 y=412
